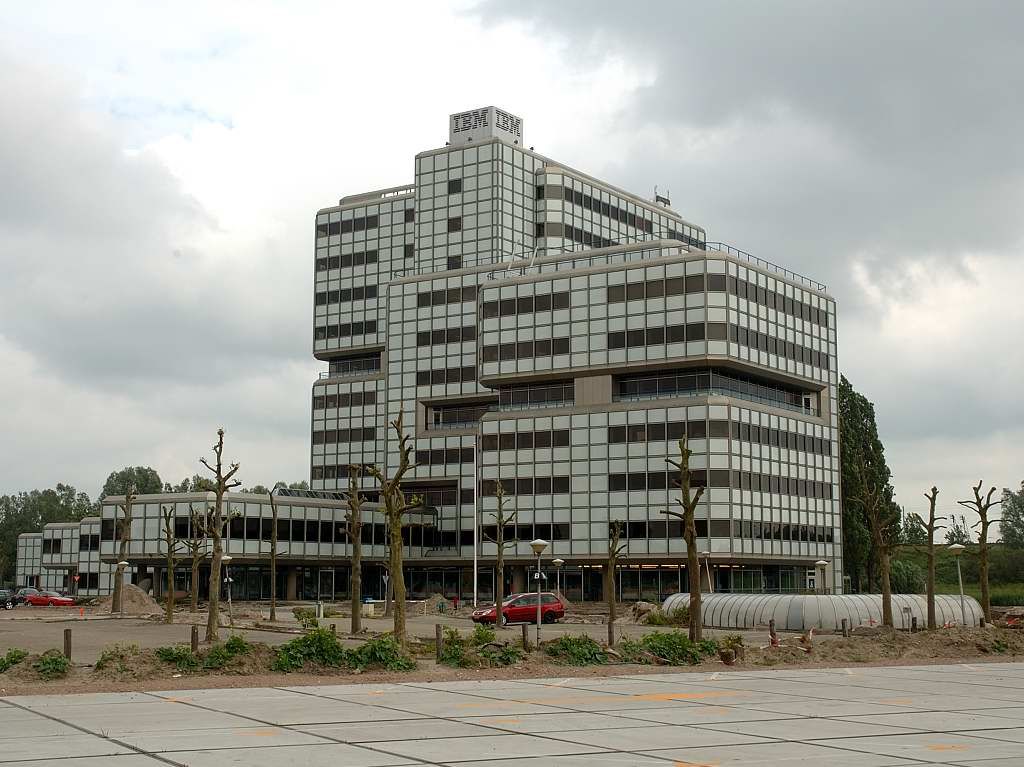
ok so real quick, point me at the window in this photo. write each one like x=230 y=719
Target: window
x=454 y=186
x=454 y=262
x=409 y=250
x=455 y=224
x=410 y=215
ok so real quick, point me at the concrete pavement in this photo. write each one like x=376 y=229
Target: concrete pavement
x=964 y=714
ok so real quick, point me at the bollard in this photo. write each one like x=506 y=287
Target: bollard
x=526 y=637
x=81 y=612
x=438 y=641
x=773 y=638
x=67 y=643
x=334 y=629
x=913 y=625
x=195 y=638
x=846 y=627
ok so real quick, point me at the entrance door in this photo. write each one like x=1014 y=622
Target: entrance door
x=326 y=591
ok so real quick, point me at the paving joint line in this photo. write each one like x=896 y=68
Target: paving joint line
x=291 y=728
x=99 y=735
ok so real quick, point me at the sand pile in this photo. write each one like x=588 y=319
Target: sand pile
x=136 y=602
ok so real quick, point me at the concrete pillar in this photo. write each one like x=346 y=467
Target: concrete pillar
x=291 y=585
x=518 y=578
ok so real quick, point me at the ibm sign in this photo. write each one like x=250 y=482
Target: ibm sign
x=485 y=123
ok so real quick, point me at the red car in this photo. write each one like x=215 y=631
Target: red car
x=49 y=598
x=522 y=608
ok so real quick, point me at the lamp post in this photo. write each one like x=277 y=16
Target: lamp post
x=707 y=566
x=538 y=545
x=956 y=549
x=226 y=560
x=120 y=574
x=558 y=575
x=822 y=564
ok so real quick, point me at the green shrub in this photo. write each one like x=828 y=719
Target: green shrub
x=731 y=642
x=453 y=650
x=52 y=665
x=482 y=634
x=318 y=646
x=679 y=616
x=578 y=650
x=13 y=657
x=217 y=657
x=906 y=578
x=179 y=656
x=380 y=652
x=508 y=655
x=673 y=647
x=306 y=617
x=116 y=655
x=236 y=645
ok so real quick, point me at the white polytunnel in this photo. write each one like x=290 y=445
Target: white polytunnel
x=799 y=612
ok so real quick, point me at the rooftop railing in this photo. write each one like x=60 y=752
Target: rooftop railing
x=766 y=265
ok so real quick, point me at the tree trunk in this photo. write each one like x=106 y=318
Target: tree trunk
x=115 y=602
x=273 y=562
x=609 y=595
x=356 y=584
x=213 y=612
x=693 y=574
x=931 y=583
x=499 y=579
x=389 y=591
x=397 y=582
x=170 y=590
x=883 y=574
x=986 y=601
x=194 y=606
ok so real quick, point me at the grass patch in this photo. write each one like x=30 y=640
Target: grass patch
x=52 y=665
x=576 y=650
x=13 y=657
x=1002 y=595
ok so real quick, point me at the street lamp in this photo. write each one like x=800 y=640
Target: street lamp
x=822 y=563
x=707 y=566
x=538 y=545
x=956 y=549
x=226 y=559
x=120 y=574
x=558 y=574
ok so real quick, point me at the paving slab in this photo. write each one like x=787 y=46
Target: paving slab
x=836 y=717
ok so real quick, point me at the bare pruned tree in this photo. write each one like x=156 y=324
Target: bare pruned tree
x=124 y=530
x=171 y=545
x=688 y=501
x=195 y=545
x=616 y=549
x=223 y=482
x=501 y=521
x=932 y=527
x=875 y=501
x=980 y=506
x=354 y=530
x=395 y=508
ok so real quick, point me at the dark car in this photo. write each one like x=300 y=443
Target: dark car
x=7 y=598
x=22 y=595
x=522 y=608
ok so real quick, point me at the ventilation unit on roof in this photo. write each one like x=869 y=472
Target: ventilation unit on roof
x=485 y=123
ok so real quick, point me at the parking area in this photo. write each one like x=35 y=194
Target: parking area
x=967 y=715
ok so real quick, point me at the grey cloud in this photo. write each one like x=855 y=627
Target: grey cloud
x=104 y=280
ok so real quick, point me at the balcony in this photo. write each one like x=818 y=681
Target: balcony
x=352 y=367
x=559 y=394
x=705 y=383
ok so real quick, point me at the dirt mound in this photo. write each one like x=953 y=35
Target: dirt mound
x=136 y=602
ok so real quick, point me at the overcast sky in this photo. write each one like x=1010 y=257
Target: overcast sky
x=160 y=167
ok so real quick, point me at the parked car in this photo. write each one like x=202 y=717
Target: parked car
x=7 y=598
x=522 y=608
x=49 y=599
x=21 y=595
